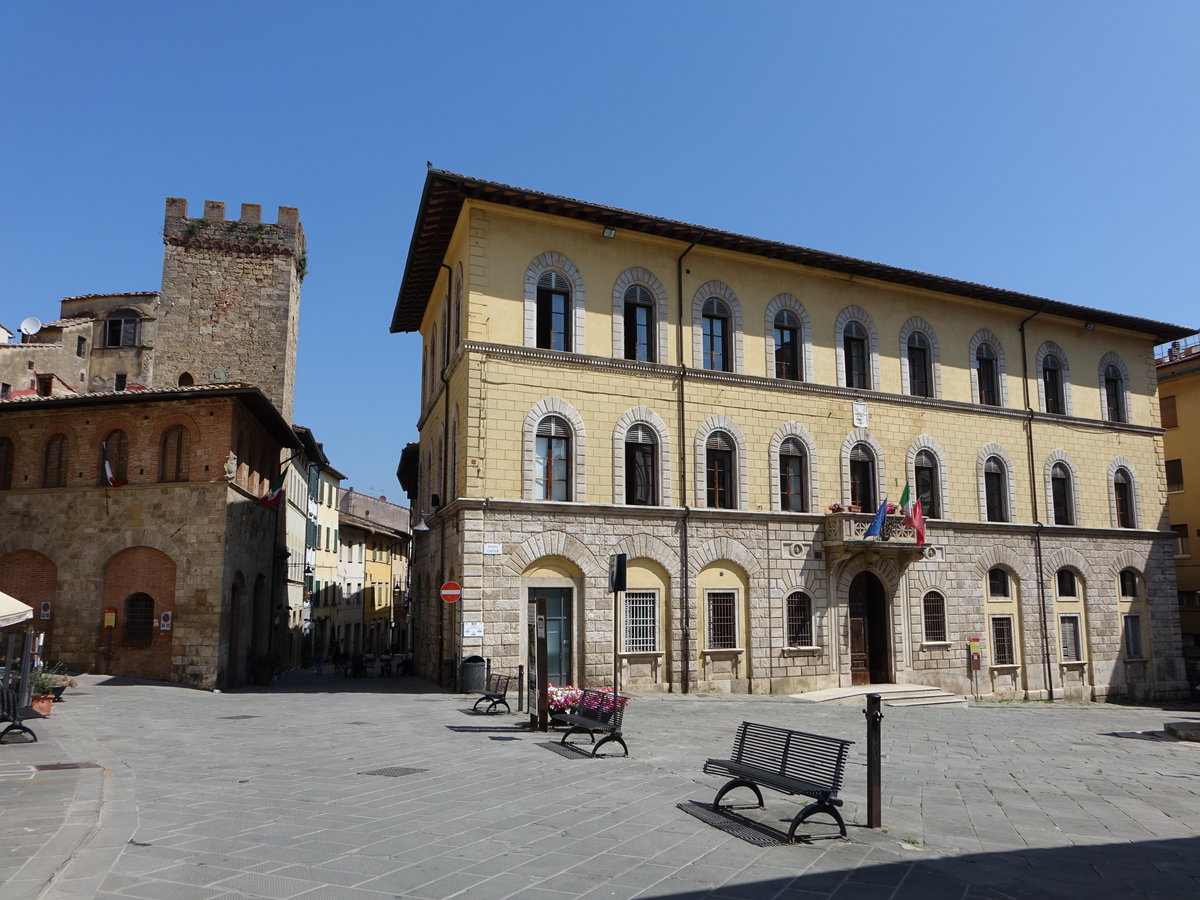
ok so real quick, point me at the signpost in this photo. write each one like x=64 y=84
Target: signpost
x=616 y=584
x=451 y=591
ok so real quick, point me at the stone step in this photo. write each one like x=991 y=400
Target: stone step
x=943 y=700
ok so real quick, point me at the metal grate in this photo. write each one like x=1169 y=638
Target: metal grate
x=57 y=767
x=733 y=824
x=240 y=717
x=394 y=771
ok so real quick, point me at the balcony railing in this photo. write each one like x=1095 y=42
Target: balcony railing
x=850 y=527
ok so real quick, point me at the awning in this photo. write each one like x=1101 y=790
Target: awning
x=13 y=610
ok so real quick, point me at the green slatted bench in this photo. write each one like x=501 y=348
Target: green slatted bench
x=791 y=762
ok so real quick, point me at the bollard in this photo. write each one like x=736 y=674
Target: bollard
x=874 y=781
x=520 y=688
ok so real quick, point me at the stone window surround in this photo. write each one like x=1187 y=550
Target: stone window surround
x=987 y=451
x=987 y=336
x=648 y=280
x=723 y=292
x=779 y=303
x=1120 y=462
x=927 y=442
x=857 y=314
x=1112 y=359
x=863 y=436
x=641 y=415
x=721 y=422
x=916 y=323
x=1049 y=348
x=818 y=605
x=555 y=406
x=557 y=262
x=1060 y=456
x=798 y=431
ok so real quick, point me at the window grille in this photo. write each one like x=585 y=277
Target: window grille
x=139 y=619
x=641 y=621
x=722 y=620
x=935 y=616
x=799 y=620
x=1003 y=650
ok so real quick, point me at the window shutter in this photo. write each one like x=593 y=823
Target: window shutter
x=552 y=281
x=993 y=466
x=861 y=453
x=553 y=426
x=791 y=447
x=715 y=308
x=641 y=434
x=636 y=293
x=719 y=440
x=785 y=318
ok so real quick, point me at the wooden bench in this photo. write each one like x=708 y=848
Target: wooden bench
x=495 y=693
x=597 y=711
x=10 y=711
x=791 y=762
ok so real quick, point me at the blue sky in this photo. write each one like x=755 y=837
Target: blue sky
x=1049 y=148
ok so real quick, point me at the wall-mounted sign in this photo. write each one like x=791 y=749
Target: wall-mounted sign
x=472 y=629
x=45 y=609
x=110 y=618
x=861 y=419
x=164 y=621
x=976 y=657
x=493 y=549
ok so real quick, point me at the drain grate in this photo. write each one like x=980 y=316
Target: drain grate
x=58 y=767
x=394 y=771
x=568 y=751
x=239 y=717
x=733 y=825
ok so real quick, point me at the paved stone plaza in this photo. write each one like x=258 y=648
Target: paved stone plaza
x=262 y=793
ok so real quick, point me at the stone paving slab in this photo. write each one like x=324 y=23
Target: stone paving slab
x=191 y=800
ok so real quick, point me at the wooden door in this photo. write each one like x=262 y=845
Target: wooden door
x=860 y=672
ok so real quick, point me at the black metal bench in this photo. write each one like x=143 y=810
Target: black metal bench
x=791 y=762
x=10 y=711
x=597 y=711
x=495 y=693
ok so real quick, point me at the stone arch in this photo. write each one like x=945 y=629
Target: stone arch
x=556 y=262
x=884 y=569
x=1049 y=348
x=789 y=302
x=555 y=543
x=648 y=280
x=555 y=406
x=985 y=452
x=1112 y=359
x=857 y=314
x=633 y=416
x=1068 y=558
x=916 y=323
x=647 y=546
x=1128 y=559
x=1004 y=557
x=986 y=335
x=783 y=432
x=863 y=436
x=1053 y=458
x=149 y=572
x=927 y=442
x=723 y=548
x=721 y=422
x=721 y=291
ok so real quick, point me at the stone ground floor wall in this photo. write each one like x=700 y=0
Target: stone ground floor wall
x=746 y=565
x=195 y=550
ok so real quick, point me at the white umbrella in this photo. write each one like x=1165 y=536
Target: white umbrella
x=13 y=610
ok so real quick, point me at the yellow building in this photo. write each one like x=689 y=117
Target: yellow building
x=715 y=407
x=378 y=537
x=1179 y=402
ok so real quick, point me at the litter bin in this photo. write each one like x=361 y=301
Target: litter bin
x=472 y=674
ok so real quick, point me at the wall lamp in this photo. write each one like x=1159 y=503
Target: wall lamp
x=421 y=526
x=609 y=232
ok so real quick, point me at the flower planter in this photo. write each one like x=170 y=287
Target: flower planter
x=42 y=703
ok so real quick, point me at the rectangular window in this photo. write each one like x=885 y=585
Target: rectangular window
x=1068 y=633
x=45 y=385
x=1174 y=475
x=80 y=346
x=120 y=381
x=1166 y=411
x=1132 y=624
x=5 y=390
x=720 y=479
x=1003 y=650
x=641 y=621
x=722 y=620
x=1182 y=546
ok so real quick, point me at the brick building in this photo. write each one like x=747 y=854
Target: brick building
x=717 y=407
x=188 y=393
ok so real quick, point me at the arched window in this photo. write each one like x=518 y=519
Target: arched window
x=640 y=333
x=6 y=463
x=920 y=375
x=552 y=463
x=173 y=457
x=799 y=620
x=988 y=373
x=854 y=346
x=934 y=608
x=925 y=469
x=114 y=458
x=1062 y=494
x=995 y=488
x=54 y=462
x=788 y=361
x=998 y=584
x=1067 y=584
x=1122 y=484
x=139 y=619
x=1128 y=583
x=122 y=328
x=1052 y=382
x=862 y=477
x=641 y=466
x=715 y=335
x=719 y=452
x=186 y=379
x=1114 y=394
x=553 y=312
x=793 y=476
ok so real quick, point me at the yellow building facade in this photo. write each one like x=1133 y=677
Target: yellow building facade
x=728 y=413
x=1179 y=400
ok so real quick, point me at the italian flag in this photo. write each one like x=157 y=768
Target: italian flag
x=113 y=481
x=275 y=494
x=913 y=515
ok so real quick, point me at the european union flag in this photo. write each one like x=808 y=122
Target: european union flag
x=875 y=529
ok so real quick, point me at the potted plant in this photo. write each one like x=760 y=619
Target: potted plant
x=41 y=690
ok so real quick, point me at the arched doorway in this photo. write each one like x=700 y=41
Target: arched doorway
x=870 y=649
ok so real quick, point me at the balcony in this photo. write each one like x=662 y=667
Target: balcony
x=845 y=536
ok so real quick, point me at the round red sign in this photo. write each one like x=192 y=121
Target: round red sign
x=451 y=591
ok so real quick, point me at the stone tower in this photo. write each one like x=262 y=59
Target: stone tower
x=230 y=302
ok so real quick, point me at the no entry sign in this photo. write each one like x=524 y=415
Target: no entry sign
x=451 y=591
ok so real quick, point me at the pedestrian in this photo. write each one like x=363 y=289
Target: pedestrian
x=319 y=661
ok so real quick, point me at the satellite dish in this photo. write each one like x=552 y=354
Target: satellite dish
x=31 y=325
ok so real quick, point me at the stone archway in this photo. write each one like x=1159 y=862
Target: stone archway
x=870 y=646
